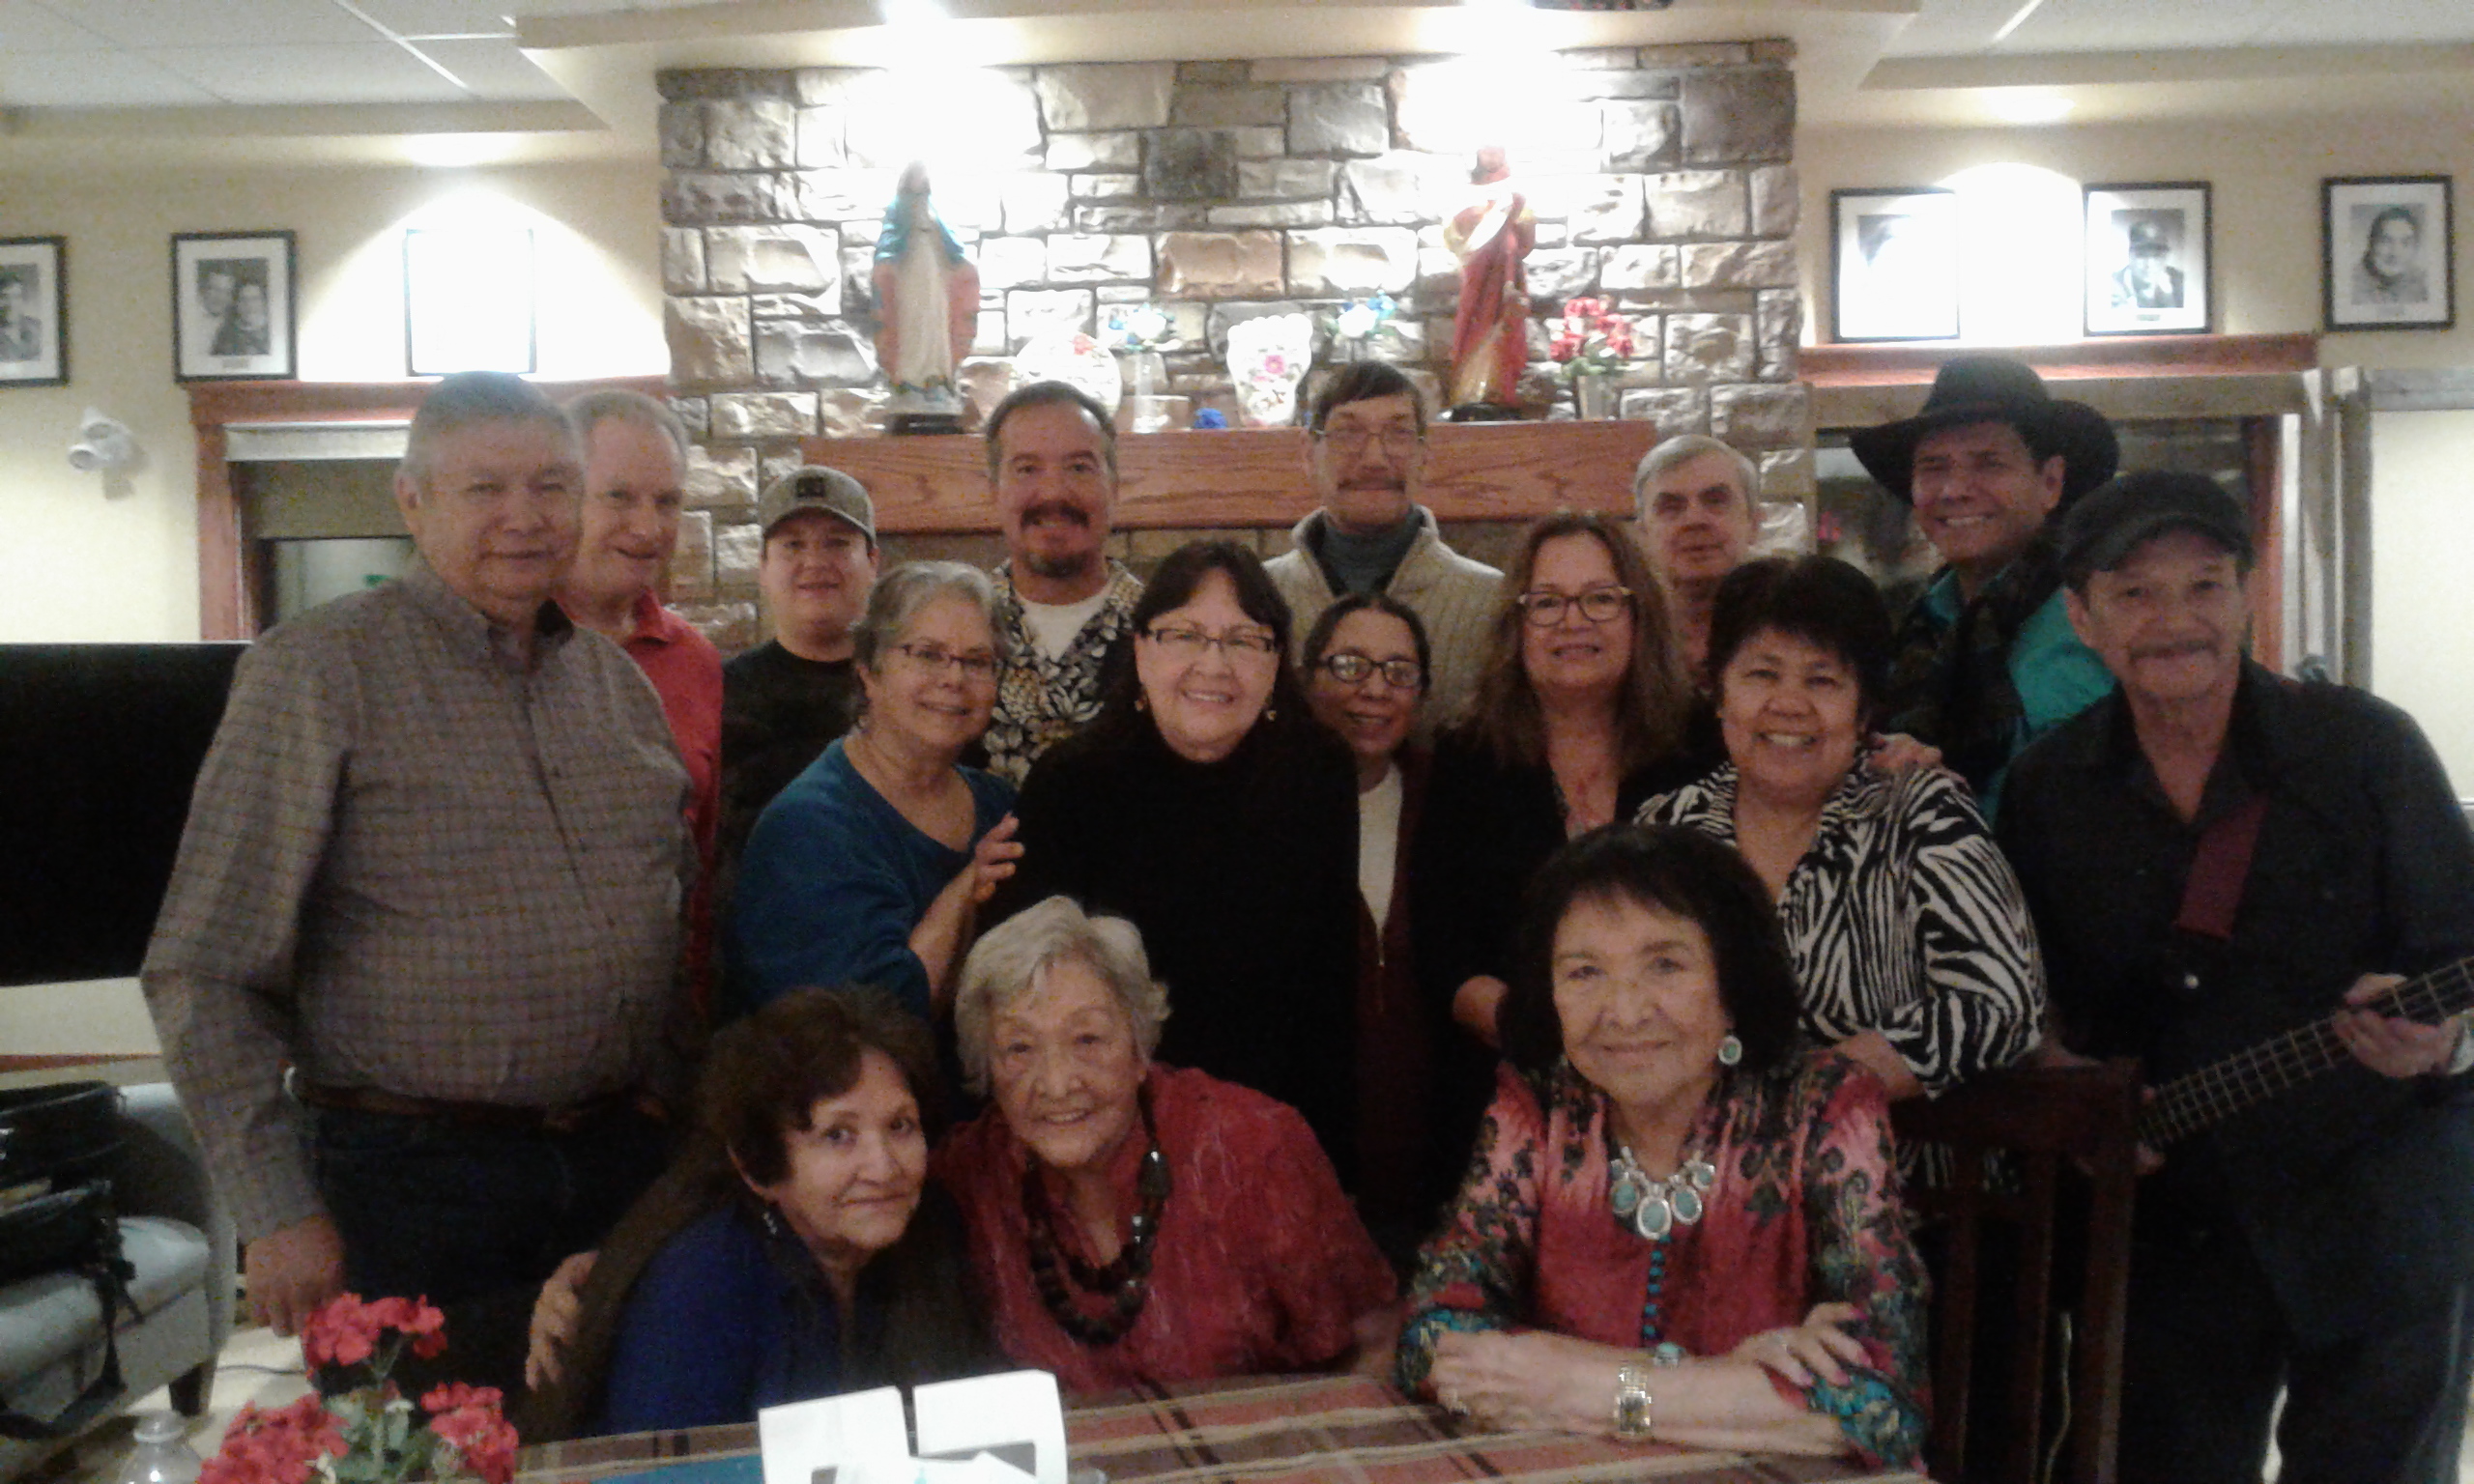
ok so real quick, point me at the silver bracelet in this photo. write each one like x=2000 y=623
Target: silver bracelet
x=1632 y=1402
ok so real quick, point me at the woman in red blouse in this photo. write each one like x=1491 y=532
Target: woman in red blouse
x=1680 y=1222
x=1131 y=1223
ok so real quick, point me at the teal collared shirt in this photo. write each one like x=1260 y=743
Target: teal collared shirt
x=2055 y=675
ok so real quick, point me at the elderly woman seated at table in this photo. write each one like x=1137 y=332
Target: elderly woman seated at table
x=1130 y=1221
x=795 y=1250
x=870 y=866
x=1909 y=932
x=1678 y=1224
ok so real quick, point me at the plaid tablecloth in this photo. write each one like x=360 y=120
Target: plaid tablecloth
x=1325 y=1429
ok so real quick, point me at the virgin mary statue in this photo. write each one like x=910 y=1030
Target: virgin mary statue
x=927 y=309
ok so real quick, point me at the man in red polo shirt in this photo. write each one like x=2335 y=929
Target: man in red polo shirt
x=635 y=464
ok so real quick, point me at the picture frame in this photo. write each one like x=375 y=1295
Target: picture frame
x=1895 y=264
x=235 y=317
x=2388 y=252
x=34 y=311
x=2148 y=263
x=468 y=301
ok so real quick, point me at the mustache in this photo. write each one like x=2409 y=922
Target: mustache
x=1056 y=510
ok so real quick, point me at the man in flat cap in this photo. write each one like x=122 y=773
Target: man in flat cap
x=1986 y=660
x=2218 y=857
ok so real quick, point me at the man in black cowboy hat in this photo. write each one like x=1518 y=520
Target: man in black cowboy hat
x=1986 y=659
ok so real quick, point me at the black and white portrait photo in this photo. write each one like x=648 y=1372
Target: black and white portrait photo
x=1897 y=260
x=2386 y=252
x=34 y=306
x=2147 y=259
x=232 y=310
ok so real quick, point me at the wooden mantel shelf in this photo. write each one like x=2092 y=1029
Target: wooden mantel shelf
x=1257 y=476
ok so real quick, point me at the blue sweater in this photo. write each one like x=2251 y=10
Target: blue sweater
x=835 y=879
x=716 y=1328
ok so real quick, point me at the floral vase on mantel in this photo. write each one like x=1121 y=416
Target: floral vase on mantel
x=1267 y=357
x=1594 y=396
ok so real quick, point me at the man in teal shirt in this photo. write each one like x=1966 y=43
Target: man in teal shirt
x=1986 y=659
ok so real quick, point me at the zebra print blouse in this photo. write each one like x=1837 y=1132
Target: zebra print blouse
x=1903 y=917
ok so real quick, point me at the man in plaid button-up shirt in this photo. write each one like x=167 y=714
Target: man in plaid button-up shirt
x=435 y=862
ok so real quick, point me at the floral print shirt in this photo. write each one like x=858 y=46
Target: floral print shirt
x=1039 y=702
x=1804 y=1211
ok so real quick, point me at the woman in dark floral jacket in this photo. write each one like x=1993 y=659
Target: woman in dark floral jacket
x=1681 y=1222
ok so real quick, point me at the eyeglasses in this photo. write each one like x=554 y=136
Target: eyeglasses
x=1599 y=605
x=937 y=659
x=1399 y=440
x=1355 y=668
x=1184 y=642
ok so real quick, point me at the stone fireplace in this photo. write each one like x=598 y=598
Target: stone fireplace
x=1219 y=190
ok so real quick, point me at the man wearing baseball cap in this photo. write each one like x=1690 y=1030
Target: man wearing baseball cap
x=1986 y=660
x=783 y=701
x=2218 y=857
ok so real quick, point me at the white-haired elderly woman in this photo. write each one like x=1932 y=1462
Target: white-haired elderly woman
x=869 y=869
x=1131 y=1223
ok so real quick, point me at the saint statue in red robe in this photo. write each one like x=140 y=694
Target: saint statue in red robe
x=1491 y=235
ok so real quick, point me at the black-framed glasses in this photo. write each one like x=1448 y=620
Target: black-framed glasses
x=1401 y=439
x=937 y=659
x=1184 y=641
x=1354 y=669
x=1599 y=605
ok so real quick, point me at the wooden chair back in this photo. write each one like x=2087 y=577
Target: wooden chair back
x=2054 y=1129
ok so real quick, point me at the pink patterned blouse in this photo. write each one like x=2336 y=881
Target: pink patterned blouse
x=1260 y=1265
x=1804 y=1211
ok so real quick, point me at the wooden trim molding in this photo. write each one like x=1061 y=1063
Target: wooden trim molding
x=1253 y=478
x=227 y=585
x=2143 y=356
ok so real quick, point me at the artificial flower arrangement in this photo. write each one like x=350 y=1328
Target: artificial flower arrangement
x=1590 y=340
x=1361 y=318
x=1138 y=327
x=370 y=1434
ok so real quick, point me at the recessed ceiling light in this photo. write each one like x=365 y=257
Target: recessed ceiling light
x=2028 y=106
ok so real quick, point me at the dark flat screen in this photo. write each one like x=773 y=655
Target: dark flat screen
x=100 y=746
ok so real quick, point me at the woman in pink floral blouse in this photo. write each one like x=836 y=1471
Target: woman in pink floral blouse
x=1681 y=1222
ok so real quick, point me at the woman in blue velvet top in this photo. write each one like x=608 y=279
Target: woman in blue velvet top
x=869 y=868
x=794 y=1250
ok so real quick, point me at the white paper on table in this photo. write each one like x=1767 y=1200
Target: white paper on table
x=978 y=1469
x=861 y=1438
x=993 y=1413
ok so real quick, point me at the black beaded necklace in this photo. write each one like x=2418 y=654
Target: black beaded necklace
x=1125 y=1282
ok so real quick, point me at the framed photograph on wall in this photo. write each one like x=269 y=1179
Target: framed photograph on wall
x=2388 y=252
x=233 y=313
x=2147 y=259
x=1896 y=256
x=34 y=311
x=468 y=300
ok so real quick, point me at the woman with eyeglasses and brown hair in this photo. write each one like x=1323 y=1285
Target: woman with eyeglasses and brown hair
x=1206 y=806
x=871 y=866
x=1369 y=674
x=1582 y=715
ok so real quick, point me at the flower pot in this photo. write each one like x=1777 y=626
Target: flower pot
x=1594 y=396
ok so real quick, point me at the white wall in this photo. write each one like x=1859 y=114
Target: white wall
x=2422 y=622
x=81 y=561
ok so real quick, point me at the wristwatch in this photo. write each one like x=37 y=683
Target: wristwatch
x=1632 y=1402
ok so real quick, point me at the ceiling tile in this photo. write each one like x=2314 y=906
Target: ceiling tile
x=372 y=72
x=494 y=70
x=439 y=17
x=93 y=80
x=214 y=22
x=26 y=26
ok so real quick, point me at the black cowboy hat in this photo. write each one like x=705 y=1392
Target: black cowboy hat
x=1995 y=389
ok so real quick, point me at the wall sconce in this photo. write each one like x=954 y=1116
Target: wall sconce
x=104 y=445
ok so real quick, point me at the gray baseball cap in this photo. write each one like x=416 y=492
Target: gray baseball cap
x=814 y=487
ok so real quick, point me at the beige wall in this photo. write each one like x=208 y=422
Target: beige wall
x=2265 y=205
x=2422 y=527
x=87 y=561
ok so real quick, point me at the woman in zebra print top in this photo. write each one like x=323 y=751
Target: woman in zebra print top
x=1908 y=929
